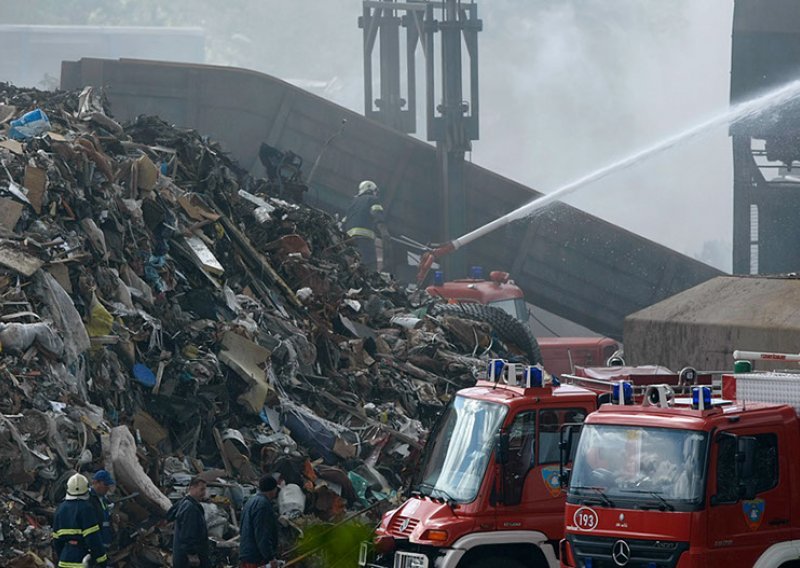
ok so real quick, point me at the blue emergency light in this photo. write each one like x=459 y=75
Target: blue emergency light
x=627 y=393
x=495 y=370
x=534 y=377
x=438 y=278
x=701 y=398
x=476 y=272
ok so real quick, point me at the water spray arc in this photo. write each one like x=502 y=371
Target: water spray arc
x=747 y=109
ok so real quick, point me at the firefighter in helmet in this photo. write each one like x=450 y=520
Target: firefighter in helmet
x=363 y=220
x=76 y=530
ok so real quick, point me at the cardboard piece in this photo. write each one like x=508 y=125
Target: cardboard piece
x=247 y=359
x=151 y=431
x=147 y=173
x=35 y=182
x=13 y=146
x=196 y=209
x=10 y=212
x=60 y=272
x=17 y=260
x=7 y=112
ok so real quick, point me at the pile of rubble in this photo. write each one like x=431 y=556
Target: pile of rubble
x=164 y=314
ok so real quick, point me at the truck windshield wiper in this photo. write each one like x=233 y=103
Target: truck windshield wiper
x=446 y=497
x=598 y=490
x=665 y=504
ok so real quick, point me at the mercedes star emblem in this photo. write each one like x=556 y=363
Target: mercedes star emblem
x=404 y=525
x=621 y=553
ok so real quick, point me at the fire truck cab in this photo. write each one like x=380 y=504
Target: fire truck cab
x=689 y=482
x=487 y=489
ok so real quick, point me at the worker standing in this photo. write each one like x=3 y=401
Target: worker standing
x=363 y=219
x=258 y=542
x=102 y=482
x=76 y=532
x=190 y=542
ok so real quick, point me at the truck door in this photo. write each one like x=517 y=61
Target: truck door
x=533 y=497
x=739 y=530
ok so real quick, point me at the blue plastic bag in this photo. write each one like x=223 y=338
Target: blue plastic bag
x=29 y=125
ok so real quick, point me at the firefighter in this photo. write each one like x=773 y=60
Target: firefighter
x=190 y=542
x=102 y=482
x=76 y=532
x=363 y=219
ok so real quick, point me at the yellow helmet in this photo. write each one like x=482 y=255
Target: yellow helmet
x=77 y=486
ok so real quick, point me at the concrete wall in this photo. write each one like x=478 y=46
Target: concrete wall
x=702 y=327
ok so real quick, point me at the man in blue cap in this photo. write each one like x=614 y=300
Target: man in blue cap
x=102 y=482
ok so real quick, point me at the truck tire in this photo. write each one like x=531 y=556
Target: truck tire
x=506 y=326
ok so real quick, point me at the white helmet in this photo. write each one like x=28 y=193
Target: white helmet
x=77 y=487
x=367 y=186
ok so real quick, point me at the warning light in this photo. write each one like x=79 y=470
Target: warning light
x=626 y=391
x=701 y=398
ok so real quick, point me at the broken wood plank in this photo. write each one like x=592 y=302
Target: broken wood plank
x=258 y=259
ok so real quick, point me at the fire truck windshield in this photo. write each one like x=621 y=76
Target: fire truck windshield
x=640 y=467
x=458 y=455
x=515 y=307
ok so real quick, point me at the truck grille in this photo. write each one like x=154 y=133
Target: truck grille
x=410 y=560
x=601 y=551
x=402 y=526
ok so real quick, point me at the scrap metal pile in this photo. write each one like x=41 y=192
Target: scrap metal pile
x=165 y=314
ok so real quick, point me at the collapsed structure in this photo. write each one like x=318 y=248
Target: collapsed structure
x=165 y=314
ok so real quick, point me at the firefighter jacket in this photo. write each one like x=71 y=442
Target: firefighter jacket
x=76 y=533
x=259 y=533
x=103 y=511
x=363 y=216
x=191 y=533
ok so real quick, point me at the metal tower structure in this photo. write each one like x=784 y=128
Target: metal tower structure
x=452 y=119
x=766 y=149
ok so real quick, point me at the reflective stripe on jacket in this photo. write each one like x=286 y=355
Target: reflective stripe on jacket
x=361 y=232
x=363 y=216
x=76 y=533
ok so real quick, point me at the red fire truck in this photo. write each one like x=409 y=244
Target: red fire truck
x=488 y=487
x=691 y=482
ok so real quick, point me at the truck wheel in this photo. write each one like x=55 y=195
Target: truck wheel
x=506 y=326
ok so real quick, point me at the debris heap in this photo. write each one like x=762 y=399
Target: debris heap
x=165 y=314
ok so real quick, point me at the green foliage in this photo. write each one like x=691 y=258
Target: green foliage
x=337 y=547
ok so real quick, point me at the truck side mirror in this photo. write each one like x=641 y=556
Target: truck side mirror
x=501 y=449
x=565 y=446
x=745 y=466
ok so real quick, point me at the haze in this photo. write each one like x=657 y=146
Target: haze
x=566 y=86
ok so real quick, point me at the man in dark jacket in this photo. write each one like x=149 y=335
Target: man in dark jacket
x=76 y=532
x=102 y=482
x=190 y=543
x=258 y=540
x=364 y=217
